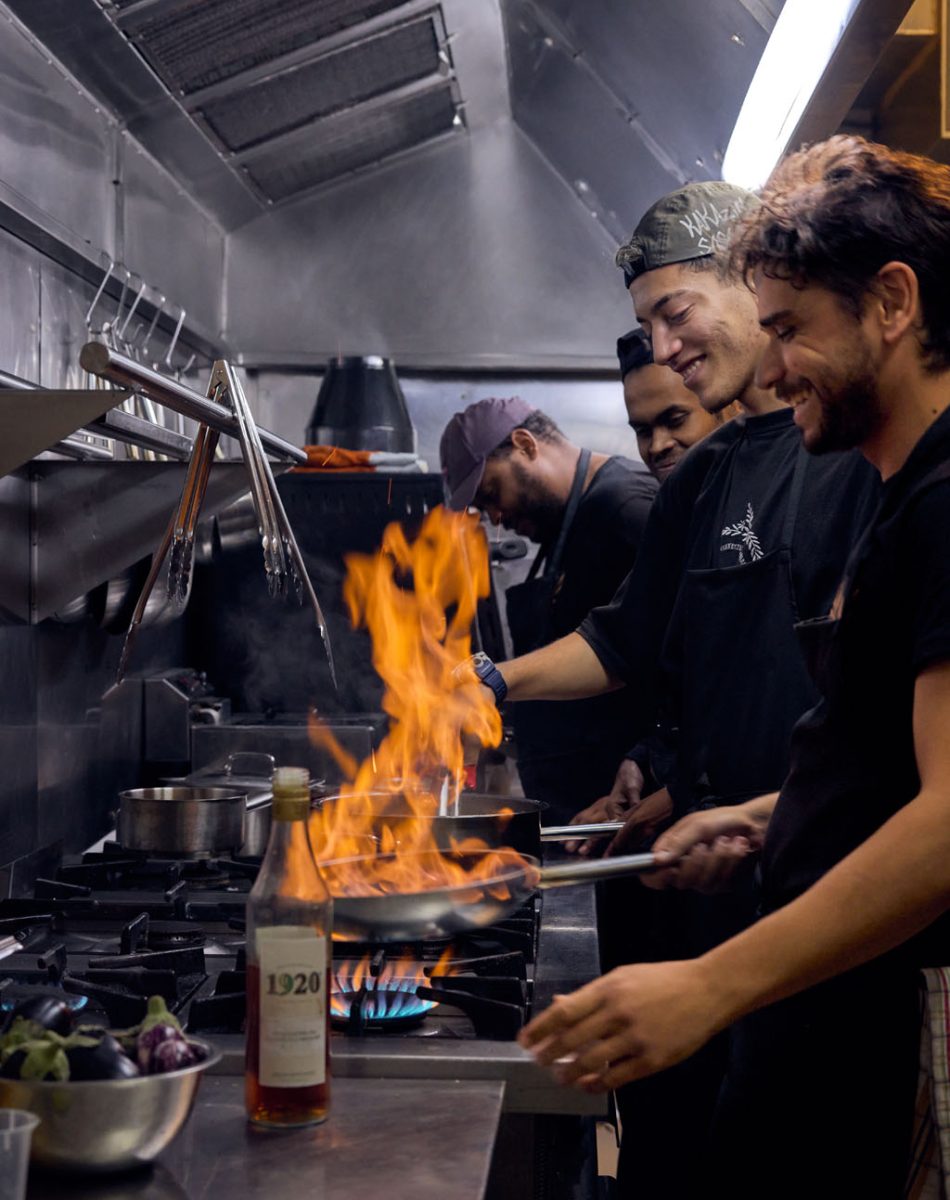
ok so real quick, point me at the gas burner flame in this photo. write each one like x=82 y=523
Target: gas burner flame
x=418 y=600
x=385 y=994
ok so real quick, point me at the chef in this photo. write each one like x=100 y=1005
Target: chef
x=587 y=511
x=665 y=415
x=668 y=420
x=748 y=536
x=849 y=255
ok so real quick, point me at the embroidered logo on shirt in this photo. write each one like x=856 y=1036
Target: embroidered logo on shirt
x=748 y=546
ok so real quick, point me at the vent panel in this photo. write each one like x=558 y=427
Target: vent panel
x=355 y=74
x=206 y=41
x=352 y=140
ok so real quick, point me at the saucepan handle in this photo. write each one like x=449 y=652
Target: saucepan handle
x=566 y=874
x=567 y=833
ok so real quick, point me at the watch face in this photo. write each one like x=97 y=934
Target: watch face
x=481 y=661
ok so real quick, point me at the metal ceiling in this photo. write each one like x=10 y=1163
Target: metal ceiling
x=252 y=103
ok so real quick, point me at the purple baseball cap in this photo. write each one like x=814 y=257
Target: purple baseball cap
x=468 y=440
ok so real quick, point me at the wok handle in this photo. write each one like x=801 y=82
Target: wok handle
x=567 y=833
x=566 y=874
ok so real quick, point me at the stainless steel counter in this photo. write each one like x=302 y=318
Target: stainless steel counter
x=419 y=1140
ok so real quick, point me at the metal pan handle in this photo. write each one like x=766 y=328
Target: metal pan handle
x=567 y=833
x=566 y=874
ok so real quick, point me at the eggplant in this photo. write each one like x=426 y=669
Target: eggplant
x=49 y=1012
x=159 y=1026
x=173 y=1054
x=104 y=1059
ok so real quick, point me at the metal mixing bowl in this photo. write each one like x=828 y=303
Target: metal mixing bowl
x=106 y=1124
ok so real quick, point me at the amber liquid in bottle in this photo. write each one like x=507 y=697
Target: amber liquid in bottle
x=289 y=922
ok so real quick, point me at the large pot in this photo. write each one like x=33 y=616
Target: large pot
x=495 y=820
x=183 y=822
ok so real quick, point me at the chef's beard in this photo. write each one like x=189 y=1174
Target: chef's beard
x=849 y=404
x=538 y=507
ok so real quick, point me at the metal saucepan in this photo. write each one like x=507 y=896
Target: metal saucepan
x=495 y=820
x=184 y=822
x=445 y=911
x=251 y=772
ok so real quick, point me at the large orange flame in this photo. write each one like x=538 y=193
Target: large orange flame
x=418 y=600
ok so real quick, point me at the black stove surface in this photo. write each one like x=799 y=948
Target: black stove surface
x=113 y=928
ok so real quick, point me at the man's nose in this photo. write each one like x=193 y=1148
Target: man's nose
x=770 y=368
x=660 y=440
x=666 y=345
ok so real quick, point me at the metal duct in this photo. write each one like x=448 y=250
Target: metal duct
x=351 y=140
x=360 y=406
x=358 y=72
x=195 y=43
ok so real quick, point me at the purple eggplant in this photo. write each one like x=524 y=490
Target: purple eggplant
x=159 y=1026
x=173 y=1054
x=104 y=1059
x=49 y=1012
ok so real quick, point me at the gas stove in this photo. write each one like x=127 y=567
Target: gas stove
x=112 y=928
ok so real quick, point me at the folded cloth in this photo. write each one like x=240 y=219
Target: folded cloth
x=929 y=1174
x=338 y=458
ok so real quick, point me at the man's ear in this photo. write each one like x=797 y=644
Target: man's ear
x=526 y=442
x=895 y=300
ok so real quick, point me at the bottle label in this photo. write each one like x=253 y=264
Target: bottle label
x=293 y=1006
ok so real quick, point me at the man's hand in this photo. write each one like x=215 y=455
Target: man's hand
x=619 y=802
x=705 y=849
x=641 y=826
x=629 y=1023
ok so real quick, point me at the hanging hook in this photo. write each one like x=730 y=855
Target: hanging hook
x=174 y=342
x=98 y=295
x=131 y=313
x=159 y=309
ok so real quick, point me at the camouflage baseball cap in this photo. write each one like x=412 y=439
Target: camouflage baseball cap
x=692 y=222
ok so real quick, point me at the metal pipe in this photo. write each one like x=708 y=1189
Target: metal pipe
x=100 y=359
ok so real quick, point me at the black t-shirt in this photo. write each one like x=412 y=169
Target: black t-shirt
x=853 y=759
x=739 y=476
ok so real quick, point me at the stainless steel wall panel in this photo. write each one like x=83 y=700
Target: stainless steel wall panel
x=15 y=594
x=170 y=241
x=682 y=69
x=55 y=146
x=64 y=302
x=20 y=306
x=493 y=263
x=18 y=686
x=589 y=411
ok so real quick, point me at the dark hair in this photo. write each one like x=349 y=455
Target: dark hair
x=538 y=424
x=834 y=213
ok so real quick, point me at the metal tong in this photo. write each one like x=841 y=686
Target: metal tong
x=179 y=538
x=186 y=519
x=282 y=558
x=283 y=561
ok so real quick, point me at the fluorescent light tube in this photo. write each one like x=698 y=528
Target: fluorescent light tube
x=805 y=37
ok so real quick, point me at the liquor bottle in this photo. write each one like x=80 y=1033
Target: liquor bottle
x=289 y=923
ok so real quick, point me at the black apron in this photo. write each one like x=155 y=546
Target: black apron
x=733 y=684
x=568 y=751
x=528 y=604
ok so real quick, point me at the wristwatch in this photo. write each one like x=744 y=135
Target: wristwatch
x=489 y=674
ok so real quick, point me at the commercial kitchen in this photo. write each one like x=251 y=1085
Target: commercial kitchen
x=232 y=229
